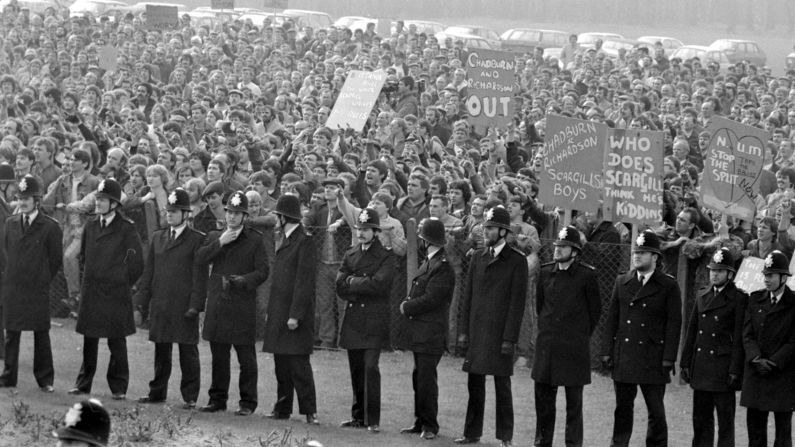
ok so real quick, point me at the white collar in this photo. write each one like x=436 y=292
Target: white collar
x=432 y=250
x=108 y=217
x=178 y=230
x=31 y=216
x=497 y=249
x=290 y=231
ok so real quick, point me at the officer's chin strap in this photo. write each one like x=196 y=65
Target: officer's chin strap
x=781 y=283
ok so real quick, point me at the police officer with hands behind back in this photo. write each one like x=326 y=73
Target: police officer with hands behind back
x=712 y=355
x=425 y=313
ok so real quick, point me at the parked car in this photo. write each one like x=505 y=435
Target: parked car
x=94 y=7
x=313 y=19
x=704 y=54
x=525 y=40
x=34 y=6
x=347 y=21
x=613 y=47
x=791 y=61
x=424 y=26
x=741 y=50
x=473 y=42
x=206 y=16
x=588 y=40
x=458 y=31
x=668 y=43
x=258 y=18
x=141 y=7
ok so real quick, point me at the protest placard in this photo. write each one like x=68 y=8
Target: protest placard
x=633 y=181
x=356 y=100
x=749 y=277
x=108 y=58
x=573 y=158
x=736 y=154
x=491 y=82
x=276 y=4
x=161 y=17
x=222 y=4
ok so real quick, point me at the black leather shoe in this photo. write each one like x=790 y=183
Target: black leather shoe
x=373 y=428
x=77 y=392
x=190 y=405
x=353 y=423
x=465 y=440
x=150 y=400
x=47 y=389
x=428 y=435
x=411 y=430
x=276 y=415
x=244 y=411
x=212 y=408
x=312 y=419
x=118 y=396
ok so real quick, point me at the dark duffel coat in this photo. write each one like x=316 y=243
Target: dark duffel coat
x=231 y=315
x=568 y=307
x=292 y=295
x=34 y=257
x=364 y=281
x=112 y=261
x=427 y=307
x=173 y=282
x=493 y=303
x=769 y=333
x=642 y=327
x=713 y=346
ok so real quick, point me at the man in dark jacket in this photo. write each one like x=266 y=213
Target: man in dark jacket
x=364 y=282
x=568 y=306
x=239 y=264
x=769 y=342
x=33 y=242
x=641 y=340
x=290 y=324
x=712 y=355
x=492 y=306
x=172 y=293
x=112 y=262
x=426 y=312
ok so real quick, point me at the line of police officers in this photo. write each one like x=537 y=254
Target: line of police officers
x=732 y=341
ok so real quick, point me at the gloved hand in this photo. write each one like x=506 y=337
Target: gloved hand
x=685 y=373
x=607 y=362
x=507 y=348
x=734 y=382
x=191 y=313
x=237 y=282
x=668 y=368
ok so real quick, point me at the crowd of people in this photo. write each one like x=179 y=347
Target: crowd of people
x=170 y=183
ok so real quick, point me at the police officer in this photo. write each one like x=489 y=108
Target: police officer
x=769 y=340
x=568 y=306
x=641 y=340
x=33 y=242
x=492 y=306
x=425 y=313
x=712 y=355
x=112 y=262
x=239 y=264
x=364 y=281
x=290 y=325
x=172 y=293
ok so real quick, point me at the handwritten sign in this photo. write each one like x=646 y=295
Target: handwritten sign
x=749 y=277
x=633 y=182
x=222 y=4
x=276 y=4
x=160 y=17
x=572 y=160
x=736 y=154
x=356 y=100
x=491 y=82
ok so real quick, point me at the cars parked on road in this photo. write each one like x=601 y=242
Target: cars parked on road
x=525 y=40
x=668 y=43
x=740 y=50
x=704 y=54
x=482 y=32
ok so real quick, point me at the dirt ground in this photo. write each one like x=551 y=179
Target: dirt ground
x=167 y=425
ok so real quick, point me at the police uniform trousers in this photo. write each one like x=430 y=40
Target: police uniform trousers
x=657 y=430
x=545 y=397
x=118 y=369
x=705 y=404
x=757 y=428
x=424 y=380
x=42 y=358
x=189 y=366
x=294 y=375
x=366 y=384
x=473 y=425
x=247 y=382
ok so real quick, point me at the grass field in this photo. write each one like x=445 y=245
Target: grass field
x=333 y=385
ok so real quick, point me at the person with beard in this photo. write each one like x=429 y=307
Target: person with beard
x=568 y=307
x=425 y=311
x=364 y=281
x=143 y=101
x=492 y=307
x=712 y=354
x=641 y=340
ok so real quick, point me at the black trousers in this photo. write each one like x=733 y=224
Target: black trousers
x=705 y=404
x=294 y=376
x=42 y=358
x=219 y=388
x=545 y=396
x=366 y=384
x=473 y=426
x=657 y=430
x=757 y=428
x=118 y=370
x=188 y=364
x=424 y=381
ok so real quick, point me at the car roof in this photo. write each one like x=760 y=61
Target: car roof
x=734 y=40
x=304 y=11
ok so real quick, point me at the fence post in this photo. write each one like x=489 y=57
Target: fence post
x=411 y=252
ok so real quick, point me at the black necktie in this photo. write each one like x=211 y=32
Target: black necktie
x=103 y=223
x=26 y=223
x=773 y=299
x=491 y=253
x=640 y=279
x=173 y=235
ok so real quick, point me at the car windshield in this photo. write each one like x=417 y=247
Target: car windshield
x=525 y=35
x=461 y=30
x=722 y=45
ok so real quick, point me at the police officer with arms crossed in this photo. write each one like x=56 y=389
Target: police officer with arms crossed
x=425 y=313
x=712 y=355
x=568 y=306
x=769 y=342
x=172 y=292
x=641 y=340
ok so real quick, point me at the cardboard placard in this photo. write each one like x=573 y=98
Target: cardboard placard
x=159 y=17
x=736 y=154
x=108 y=58
x=572 y=161
x=222 y=4
x=633 y=182
x=749 y=277
x=356 y=100
x=491 y=81
x=276 y=4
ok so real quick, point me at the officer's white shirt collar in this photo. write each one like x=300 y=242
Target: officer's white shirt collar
x=31 y=216
x=290 y=231
x=778 y=295
x=432 y=250
x=108 y=218
x=178 y=230
x=497 y=249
